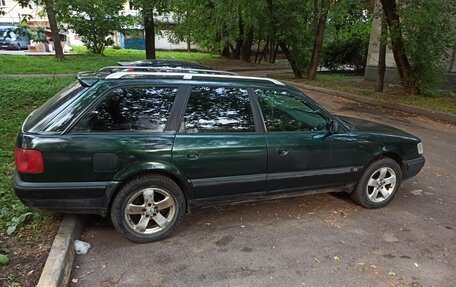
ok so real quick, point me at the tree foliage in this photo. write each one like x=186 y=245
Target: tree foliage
x=347 y=35
x=429 y=33
x=234 y=27
x=94 y=20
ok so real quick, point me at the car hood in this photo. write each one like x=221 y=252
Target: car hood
x=374 y=127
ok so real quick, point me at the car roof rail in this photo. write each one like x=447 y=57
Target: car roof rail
x=188 y=76
x=114 y=69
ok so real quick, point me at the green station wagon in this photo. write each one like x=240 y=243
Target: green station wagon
x=146 y=147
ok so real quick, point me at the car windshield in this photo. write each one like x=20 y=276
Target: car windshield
x=52 y=104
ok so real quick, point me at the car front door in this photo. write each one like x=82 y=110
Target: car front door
x=218 y=147
x=302 y=152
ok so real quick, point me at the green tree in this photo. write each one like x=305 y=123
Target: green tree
x=148 y=9
x=347 y=35
x=422 y=33
x=94 y=20
x=225 y=27
x=429 y=32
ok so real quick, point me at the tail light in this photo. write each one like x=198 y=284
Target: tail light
x=28 y=160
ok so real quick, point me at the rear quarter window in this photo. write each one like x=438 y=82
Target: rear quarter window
x=51 y=105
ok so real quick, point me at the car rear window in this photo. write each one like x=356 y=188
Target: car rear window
x=52 y=104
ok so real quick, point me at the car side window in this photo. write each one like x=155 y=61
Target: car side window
x=126 y=109
x=218 y=110
x=284 y=111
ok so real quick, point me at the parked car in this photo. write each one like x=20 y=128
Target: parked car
x=168 y=69
x=13 y=40
x=147 y=147
x=165 y=63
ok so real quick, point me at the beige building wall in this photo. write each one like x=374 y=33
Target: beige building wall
x=14 y=13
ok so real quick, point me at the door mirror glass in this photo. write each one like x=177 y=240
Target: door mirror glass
x=333 y=127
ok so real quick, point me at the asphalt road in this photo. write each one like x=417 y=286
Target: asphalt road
x=314 y=240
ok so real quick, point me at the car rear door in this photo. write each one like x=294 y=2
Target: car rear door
x=124 y=130
x=219 y=146
x=302 y=153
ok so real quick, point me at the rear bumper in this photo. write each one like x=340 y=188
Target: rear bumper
x=68 y=197
x=413 y=166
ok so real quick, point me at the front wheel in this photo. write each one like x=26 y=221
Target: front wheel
x=148 y=208
x=378 y=184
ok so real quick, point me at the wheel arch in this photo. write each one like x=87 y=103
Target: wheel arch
x=389 y=153
x=154 y=168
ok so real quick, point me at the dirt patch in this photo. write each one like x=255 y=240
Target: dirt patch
x=28 y=249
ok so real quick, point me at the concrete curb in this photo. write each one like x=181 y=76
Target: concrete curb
x=57 y=270
x=445 y=117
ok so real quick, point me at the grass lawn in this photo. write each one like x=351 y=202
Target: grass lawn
x=87 y=62
x=18 y=97
x=354 y=84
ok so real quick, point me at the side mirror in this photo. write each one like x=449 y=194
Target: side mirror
x=333 y=127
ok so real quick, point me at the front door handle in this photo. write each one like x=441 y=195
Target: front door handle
x=192 y=155
x=282 y=151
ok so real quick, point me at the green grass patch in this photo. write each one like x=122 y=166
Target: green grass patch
x=19 y=97
x=87 y=62
x=355 y=84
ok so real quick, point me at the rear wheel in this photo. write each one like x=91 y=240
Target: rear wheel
x=378 y=184
x=148 y=208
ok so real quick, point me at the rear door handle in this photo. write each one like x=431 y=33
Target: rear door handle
x=192 y=155
x=282 y=151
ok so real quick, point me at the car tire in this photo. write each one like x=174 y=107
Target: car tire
x=148 y=208
x=378 y=184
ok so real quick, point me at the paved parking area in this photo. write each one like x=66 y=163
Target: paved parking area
x=315 y=240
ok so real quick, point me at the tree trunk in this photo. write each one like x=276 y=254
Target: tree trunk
x=226 y=51
x=149 y=28
x=382 y=57
x=246 y=51
x=257 y=52
x=452 y=60
x=276 y=50
x=240 y=39
x=397 y=45
x=318 y=42
x=294 y=65
x=49 y=7
x=263 y=54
